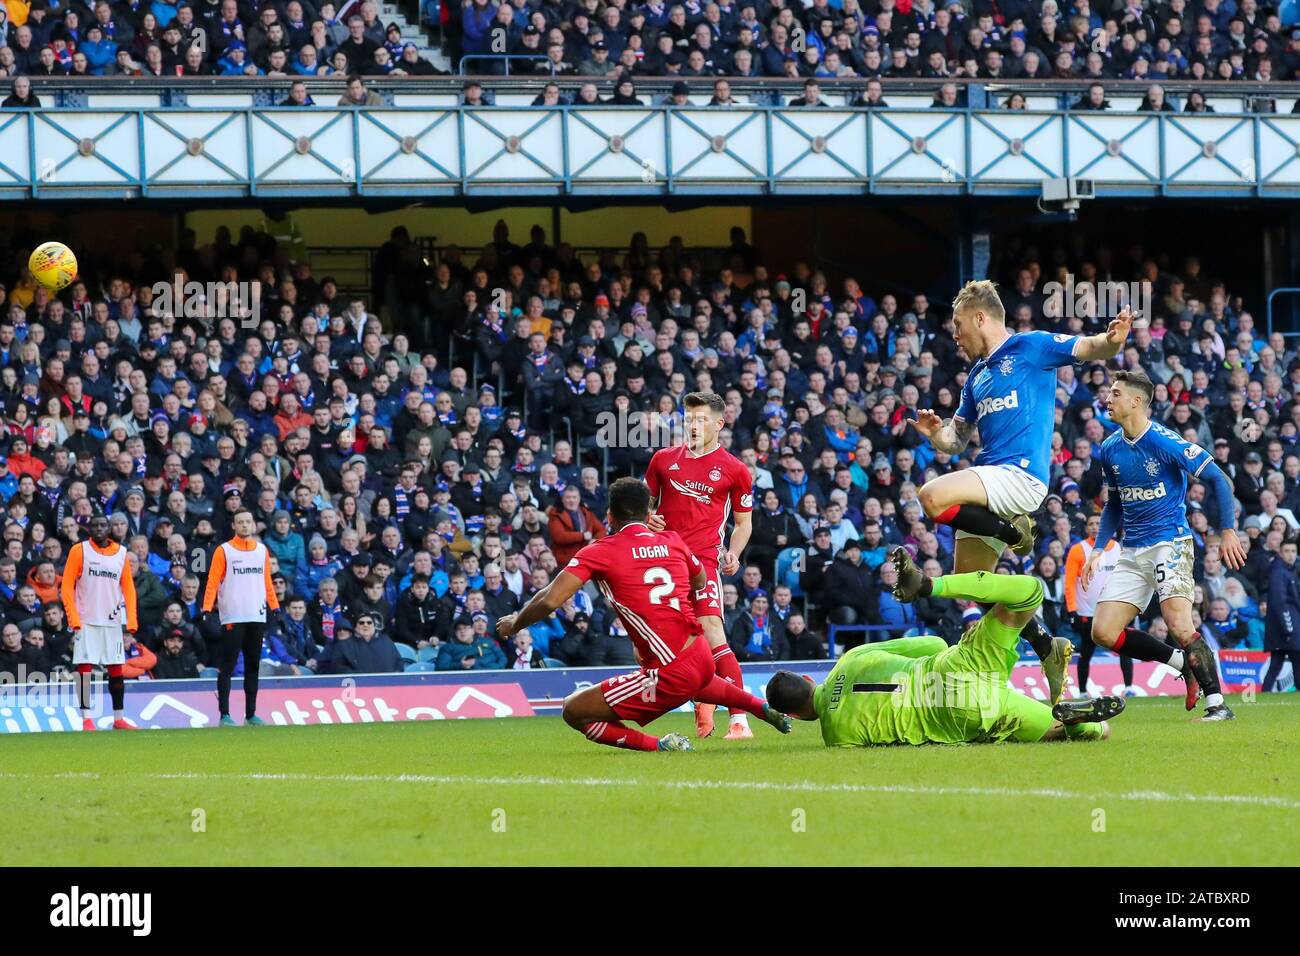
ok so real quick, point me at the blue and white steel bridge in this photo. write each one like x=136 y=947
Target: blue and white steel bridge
x=223 y=140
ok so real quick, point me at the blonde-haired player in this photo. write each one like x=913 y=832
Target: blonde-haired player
x=1010 y=393
x=99 y=597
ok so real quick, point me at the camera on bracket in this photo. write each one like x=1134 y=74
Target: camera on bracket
x=1065 y=195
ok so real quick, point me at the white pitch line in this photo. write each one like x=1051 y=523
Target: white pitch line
x=1146 y=796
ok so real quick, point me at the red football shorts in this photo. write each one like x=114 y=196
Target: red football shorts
x=708 y=601
x=647 y=694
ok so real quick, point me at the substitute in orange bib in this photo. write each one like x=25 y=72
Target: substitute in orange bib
x=1081 y=601
x=239 y=584
x=99 y=597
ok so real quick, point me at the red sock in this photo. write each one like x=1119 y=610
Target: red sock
x=614 y=734
x=1119 y=641
x=727 y=667
x=726 y=694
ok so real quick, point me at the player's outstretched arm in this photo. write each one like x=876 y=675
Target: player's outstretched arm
x=542 y=604
x=926 y=645
x=950 y=436
x=1094 y=348
x=1230 y=547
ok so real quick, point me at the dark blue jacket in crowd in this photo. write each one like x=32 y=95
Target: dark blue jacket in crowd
x=376 y=656
x=895 y=613
x=1282 y=630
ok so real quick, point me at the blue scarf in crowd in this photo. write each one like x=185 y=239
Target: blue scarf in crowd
x=761 y=639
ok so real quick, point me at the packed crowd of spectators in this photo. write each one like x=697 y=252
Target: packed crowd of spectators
x=622 y=41
x=164 y=39
x=417 y=479
x=987 y=39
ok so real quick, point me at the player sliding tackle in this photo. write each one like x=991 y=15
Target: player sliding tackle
x=1146 y=468
x=917 y=690
x=654 y=583
x=1010 y=394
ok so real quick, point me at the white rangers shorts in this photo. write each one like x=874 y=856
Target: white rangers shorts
x=1164 y=569
x=1011 y=491
x=99 y=644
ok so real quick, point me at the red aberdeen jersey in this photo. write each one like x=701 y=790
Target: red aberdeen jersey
x=696 y=494
x=646 y=576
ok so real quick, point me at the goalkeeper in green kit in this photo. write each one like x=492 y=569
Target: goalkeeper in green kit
x=917 y=690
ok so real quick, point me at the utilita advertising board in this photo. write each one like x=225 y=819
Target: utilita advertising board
x=387 y=698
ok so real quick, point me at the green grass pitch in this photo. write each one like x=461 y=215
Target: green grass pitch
x=1161 y=791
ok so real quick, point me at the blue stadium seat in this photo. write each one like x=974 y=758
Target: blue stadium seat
x=421 y=667
x=787 y=570
x=426 y=654
x=406 y=652
x=553 y=662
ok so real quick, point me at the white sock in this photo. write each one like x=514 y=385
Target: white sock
x=119 y=715
x=1177 y=660
x=1214 y=700
x=742 y=719
x=86 y=715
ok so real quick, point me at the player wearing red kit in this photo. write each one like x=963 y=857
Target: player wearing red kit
x=696 y=486
x=653 y=582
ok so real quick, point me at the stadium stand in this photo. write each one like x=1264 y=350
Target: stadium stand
x=427 y=426
x=414 y=468
x=890 y=38
x=224 y=38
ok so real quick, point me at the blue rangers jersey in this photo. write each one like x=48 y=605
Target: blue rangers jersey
x=1011 y=395
x=1149 y=477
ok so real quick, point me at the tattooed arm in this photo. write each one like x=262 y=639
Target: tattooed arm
x=951 y=436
